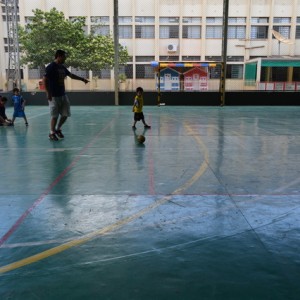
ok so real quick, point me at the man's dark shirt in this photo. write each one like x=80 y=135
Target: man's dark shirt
x=56 y=74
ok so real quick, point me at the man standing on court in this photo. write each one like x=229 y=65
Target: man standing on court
x=54 y=82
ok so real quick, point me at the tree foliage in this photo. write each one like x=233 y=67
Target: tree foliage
x=49 y=31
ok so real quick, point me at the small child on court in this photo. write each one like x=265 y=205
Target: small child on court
x=19 y=106
x=4 y=121
x=138 y=108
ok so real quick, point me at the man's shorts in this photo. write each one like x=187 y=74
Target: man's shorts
x=60 y=106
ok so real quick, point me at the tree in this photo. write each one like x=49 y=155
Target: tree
x=49 y=31
x=98 y=53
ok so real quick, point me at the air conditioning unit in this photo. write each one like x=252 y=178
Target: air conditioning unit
x=172 y=47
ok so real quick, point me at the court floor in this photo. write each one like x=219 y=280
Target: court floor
x=207 y=208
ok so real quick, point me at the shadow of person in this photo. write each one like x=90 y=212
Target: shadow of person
x=139 y=151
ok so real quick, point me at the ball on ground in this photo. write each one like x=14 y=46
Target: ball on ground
x=141 y=139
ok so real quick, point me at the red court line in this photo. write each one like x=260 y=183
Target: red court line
x=5 y=237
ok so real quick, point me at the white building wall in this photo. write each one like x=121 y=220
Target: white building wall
x=59 y=5
x=101 y=8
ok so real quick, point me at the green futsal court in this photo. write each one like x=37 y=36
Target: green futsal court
x=207 y=208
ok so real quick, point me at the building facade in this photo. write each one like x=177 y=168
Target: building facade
x=174 y=30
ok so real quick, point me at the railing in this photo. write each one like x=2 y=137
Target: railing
x=278 y=86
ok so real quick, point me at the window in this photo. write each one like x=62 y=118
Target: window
x=259 y=20
x=127 y=70
x=145 y=71
x=130 y=59
x=259 y=32
x=236 y=32
x=282 y=20
x=81 y=73
x=34 y=74
x=191 y=32
x=168 y=20
x=168 y=32
x=235 y=58
x=215 y=73
x=74 y=19
x=213 y=58
x=4 y=10
x=191 y=58
x=150 y=20
x=10 y=18
x=6 y=41
x=125 y=31
x=145 y=31
x=169 y=58
x=298 y=28
x=28 y=20
x=12 y=73
x=125 y=20
x=191 y=20
x=254 y=57
x=99 y=20
x=234 y=71
x=103 y=74
x=100 y=29
x=144 y=58
x=214 y=20
x=213 y=32
x=297 y=32
x=283 y=30
x=237 y=20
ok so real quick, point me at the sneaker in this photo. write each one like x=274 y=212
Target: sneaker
x=147 y=126
x=53 y=137
x=59 y=134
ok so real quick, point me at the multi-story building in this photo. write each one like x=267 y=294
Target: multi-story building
x=174 y=30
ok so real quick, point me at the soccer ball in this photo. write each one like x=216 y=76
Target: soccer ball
x=141 y=139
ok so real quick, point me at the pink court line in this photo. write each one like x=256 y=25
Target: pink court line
x=5 y=237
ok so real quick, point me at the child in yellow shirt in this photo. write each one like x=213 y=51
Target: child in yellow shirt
x=138 y=108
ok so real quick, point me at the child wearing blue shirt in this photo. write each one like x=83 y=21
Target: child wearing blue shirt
x=19 y=106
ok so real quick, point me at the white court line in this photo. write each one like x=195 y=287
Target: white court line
x=36 y=116
x=63 y=149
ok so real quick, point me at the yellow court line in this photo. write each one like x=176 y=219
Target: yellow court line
x=112 y=227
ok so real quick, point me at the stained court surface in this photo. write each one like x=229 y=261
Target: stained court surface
x=207 y=208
